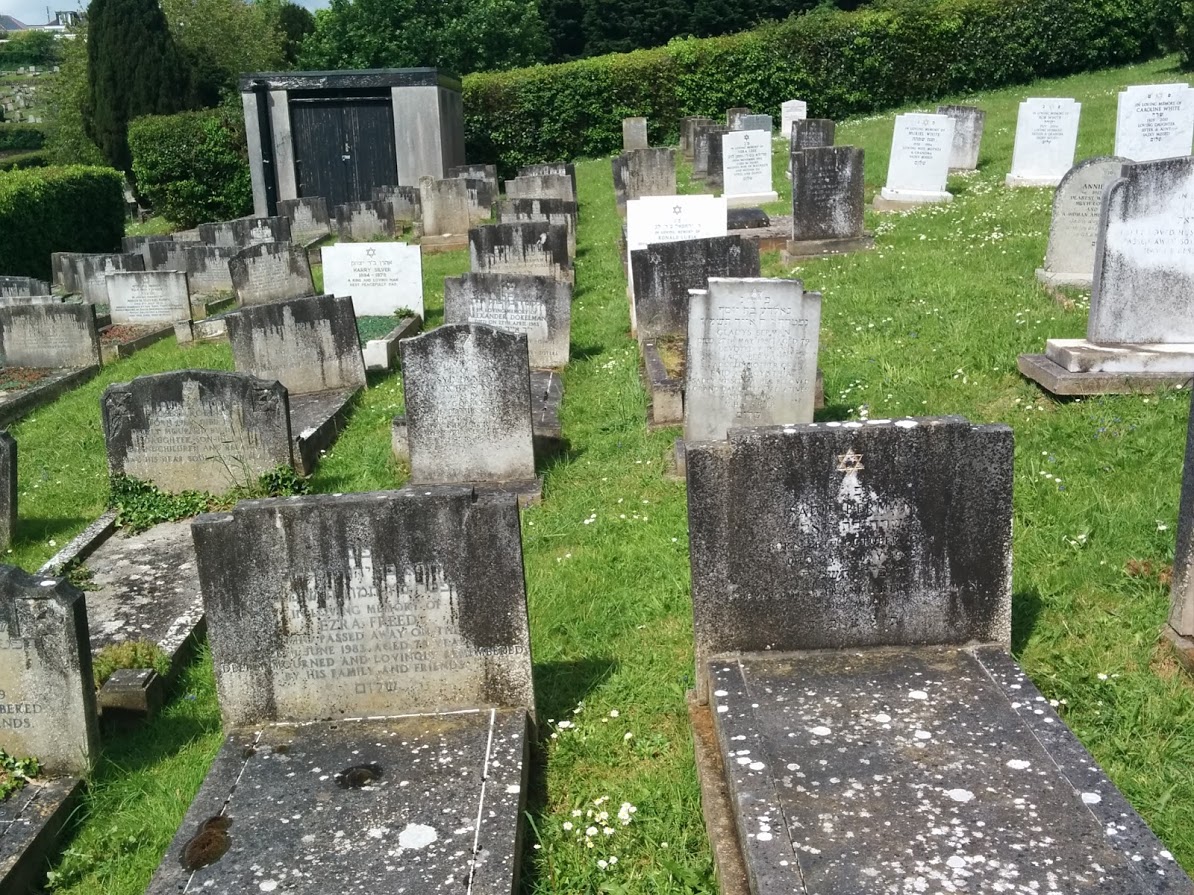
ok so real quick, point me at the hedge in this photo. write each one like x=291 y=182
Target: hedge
x=46 y=210
x=17 y=160
x=842 y=63
x=21 y=137
x=193 y=167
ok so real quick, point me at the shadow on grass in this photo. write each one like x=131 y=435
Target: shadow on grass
x=576 y=353
x=37 y=531
x=832 y=413
x=1026 y=608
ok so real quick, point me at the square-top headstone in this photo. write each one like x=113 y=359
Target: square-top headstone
x=646 y=172
x=541 y=186
x=634 y=133
x=789 y=111
x=49 y=336
x=544 y=169
x=919 y=166
x=206 y=266
x=139 y=245
x=536 y=248
x=488 y=173
x=309 y=219
x=405 y=202
x=468 y=405
x=665 y=272
x=672 y=218
x=734 y=117
x=1155 y=121
x=482 y=194
x=196 y=430
x=746 y=168
x=688 y=127
x=268 y=272
x=703 y=140
x=554 y=211
x=91 y=273
x=1074 y=230
x=8 y=489
x=827 y=193
x=1046 y=134
x=145 y=297
x=14 y=287
x=540 y=307
x=363 y=221
x=381 y=277
x=756 y=123
x=308 y=344
x=751 y=356
x=969 y=122
x=1144 y=268
x=835 y=535
x=445 y=206
x=807 y=133
x=45 y=674
x=245 y=232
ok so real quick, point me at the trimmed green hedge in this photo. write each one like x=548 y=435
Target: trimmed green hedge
x=842 y=63
x=46 y=210
x=21 y=137
x=193 y=167
x=19 y=160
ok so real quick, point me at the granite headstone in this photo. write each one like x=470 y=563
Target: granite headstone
x=538 y=306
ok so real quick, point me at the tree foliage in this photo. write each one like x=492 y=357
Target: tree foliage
x=296 y=23
x=458 y=35
x=38 y=48
x=223 y=39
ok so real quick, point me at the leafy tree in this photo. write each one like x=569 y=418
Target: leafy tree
x=564 y=21
x=619 y=26
x=134 y=68
x=39 y=48
x=67 y=142
x=296 y=23
x=458 y=35
x=223 y=39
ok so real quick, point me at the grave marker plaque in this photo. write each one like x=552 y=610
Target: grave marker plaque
x=919 y=165
x=145 y=297
x=539 y=307
x=270 y=272
x=1074 y=229
x=380 y=277
x=1155 y=121
x=1046 y=134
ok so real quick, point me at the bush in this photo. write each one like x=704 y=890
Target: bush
x=20 y=160
x=37 y=48
x=1185 y=35
x=843 y=63
x=21 y=137
x=193 y=167
x=45 y=210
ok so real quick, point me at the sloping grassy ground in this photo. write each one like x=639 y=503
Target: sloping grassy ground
x=929 y=323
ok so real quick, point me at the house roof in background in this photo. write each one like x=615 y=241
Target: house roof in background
x=8 y=23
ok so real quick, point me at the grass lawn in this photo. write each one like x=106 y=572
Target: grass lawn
x=929 y=323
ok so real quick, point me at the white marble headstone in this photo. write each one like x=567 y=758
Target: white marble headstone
x=920 y=153
x=381 y=277
x=789 y=111
x=1155 y=121
x=746 y=168
x=1046 y=134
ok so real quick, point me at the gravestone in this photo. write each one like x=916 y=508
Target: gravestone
x=487 y=173
x=8 y=489
x=365 y=221
x=542 y=186
x=269 y=272
x=734 y=117
x=664 y=273
x=919 y=164
x=537 y=306
x=790 y=111
x=1074 y=230
x=968 y=135
x=63 y=272
x=751 y=356
x=756 y=123
x=49 y=336
x=1155 y=121
x=245 y=232
x=715 y=165
x=554 y=211
x=468 y=406
x=139 y=245
x=405 y=202
x=380 y=277
x=644 y=172
x=809 y=133
x=634 y=133
x=373 y=668
x=445 y=210
x=91 y=272
x=482 y=194
x=746 y=168
x=207 y=268
x=1046 y=134
x=1180 y=630
x=536 y=248
x=308 y=218
x=10 y=300
x=196 y=430
x=688 y=127
x=704 y=138
x=15 y=287
x=562 y=169
x=146 y=297
x=827 y=201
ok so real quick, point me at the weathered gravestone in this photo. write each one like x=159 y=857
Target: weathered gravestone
x=827 y=202
x=48 y=695
x=482 y=195
x=542 y=186
x=919 y=164
x=1155 y=121
x=245 y=232
x=487 y=173
x=62 y=271
x=49 y=299
x=665 y=272
x=734 y=117
x=705 y=136
x=380 y=277
x=852 y=609
x=969 y=122
x=746 y=168
x=373 y=669
x=146 y=297
x=1140 y=331
x=536 y=248
x=309 y=218
x=715 y=163
x=539 y=307
x=363 y=221
x=688 y=128
x=8 y=489
x=809 y=133
x=634 y=133
x=554 y=211
x=206 y=266
x=790 y=111
x=1073 y=233
x=15 y=287
x=1046 y=134
x=444 y=207
x=270 y=272
x=1180 y=630
x=751 y=356
x=405 y=202
x=644 y=172
x=139 y=245
x=312 y=347
x=756 y=123
x=561 y=169
x=468 y=406
x=86 y=274
x=49 y=336
x=196 y=430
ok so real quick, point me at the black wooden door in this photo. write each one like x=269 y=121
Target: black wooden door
x=343 y=146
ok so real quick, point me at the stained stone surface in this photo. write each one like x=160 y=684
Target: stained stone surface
x=13 y=287
x=8 y=489
x=562 y=169
x=1181 y=616
x=931 y=769
x=308 y=217
x=808 y=133
x=145 y=297
x=363 y=221
x=969 y=122
x=405 y=202
x=307 y=344
x=827 y=193
x=554 y=211
x=919 y=163
x=293 y=828
x=688 y=127
x=1074 y=229
x=270 y=272
x=634 y=133
x=539 y=307
x=200 y=430
x=482 y=193
x=45 y=674
x=535 y=248
x=380 y=277
x=831 y=535
x=734 y=117
x=756 y=123
x=49 y=336
x=1155 y=121
x=1144 y=269
x=468 y=405
x=477 y=172
x=90 y=273
x=646 y=172
x=31 y=823
x=705 y=138
x=206 y=267
x=1046 y=134
x=245 y=232
x=444 y=206
x=542 y=186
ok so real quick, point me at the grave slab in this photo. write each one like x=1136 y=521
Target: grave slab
x=827 y=202
x=244 y=232
x=365 y=221
x=444 y=209
x=270 y=272
x=1057 y=380
x=539 y=306
x=634 y=133
x=1154 y=121
x=49 y=336
x=969 y=122
x=8 y=489
x=15 y=405
x=1180 y=629
x=554 y=211
x=535 y=248
x=308 y=217
x=791 y=111
x=1083 y=356
x=746 y=168
x=405 y=202
x=146 y=297
x=32 y=824
x=12 y=287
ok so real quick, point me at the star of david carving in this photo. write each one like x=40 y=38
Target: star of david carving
x=370 y=252
x=746 y=138
x=676 y=209
x=849 y=461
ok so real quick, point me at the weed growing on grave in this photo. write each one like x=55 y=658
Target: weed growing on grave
x=130 y=654
x=15 y=773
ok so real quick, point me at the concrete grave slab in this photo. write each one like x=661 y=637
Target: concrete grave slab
x=538 y=306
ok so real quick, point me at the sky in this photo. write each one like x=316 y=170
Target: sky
x=33 y=12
